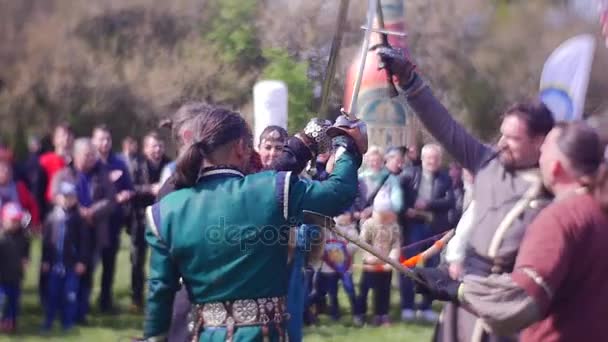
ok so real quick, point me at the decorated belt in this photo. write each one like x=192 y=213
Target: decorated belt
x=241 y=312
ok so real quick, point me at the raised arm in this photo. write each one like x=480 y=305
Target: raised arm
x=334 y=195
x=303 y=146
x=465 y=148
x=329 y=197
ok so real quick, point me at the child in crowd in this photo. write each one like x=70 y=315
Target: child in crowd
x=381 y=231
x=14 y=253
x=64 y=256
x=337 y=262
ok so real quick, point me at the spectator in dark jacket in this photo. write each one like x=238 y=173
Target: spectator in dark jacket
x=65 y=254
x=146 y=181
x=455 y=172
x=34 y=175
x=428 y=197
x=123 y=186
x=96 y=199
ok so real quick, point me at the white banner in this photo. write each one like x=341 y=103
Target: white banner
x=565 y=77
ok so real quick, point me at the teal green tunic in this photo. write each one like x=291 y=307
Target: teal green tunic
x=227 y=238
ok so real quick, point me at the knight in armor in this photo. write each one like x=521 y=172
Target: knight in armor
x=508 y=190
x=225 y=233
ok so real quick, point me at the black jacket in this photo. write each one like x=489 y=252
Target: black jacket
x=14 y=248
x=76 y=239
x=442 y=197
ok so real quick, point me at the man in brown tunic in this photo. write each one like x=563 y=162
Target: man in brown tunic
x=557 y=290
x=508 y=190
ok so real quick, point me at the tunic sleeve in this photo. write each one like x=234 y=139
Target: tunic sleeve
x=455 y=250
x=329 y=197
x=469 y=151
x=545 y=255
x=499 y=302
x=511 y=302
x=163 y=281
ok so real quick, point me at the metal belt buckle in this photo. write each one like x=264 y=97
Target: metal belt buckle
x=245 y=311
x=214 y=314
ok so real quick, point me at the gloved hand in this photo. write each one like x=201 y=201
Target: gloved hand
x=314 y=135
x=438 y=284
x=398 y=64
x=354 y=129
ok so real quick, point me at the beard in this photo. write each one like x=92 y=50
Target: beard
x=506 y=158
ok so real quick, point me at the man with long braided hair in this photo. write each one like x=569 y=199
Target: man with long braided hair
x=184 y=124
x=225 y=233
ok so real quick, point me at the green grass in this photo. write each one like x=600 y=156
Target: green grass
x=121 y=327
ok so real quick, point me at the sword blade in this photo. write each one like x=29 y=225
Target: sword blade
x=333 y=58
x=372 y=7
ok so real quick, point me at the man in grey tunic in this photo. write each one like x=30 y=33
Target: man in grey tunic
x=507 y=189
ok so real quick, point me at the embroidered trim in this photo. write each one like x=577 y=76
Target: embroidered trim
x=220 y=171
x=538 y=280
x=286 y=195
x=152 y=223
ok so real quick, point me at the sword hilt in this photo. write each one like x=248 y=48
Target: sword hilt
x=392 y=90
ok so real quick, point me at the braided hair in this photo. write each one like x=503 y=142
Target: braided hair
x=216 y=128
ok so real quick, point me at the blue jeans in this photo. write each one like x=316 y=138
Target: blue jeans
x=327 y=284
x=62 y=291
x=415 y=233
x=83 y=294
x=12 y=296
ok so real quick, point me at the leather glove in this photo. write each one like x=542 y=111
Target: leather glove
x=398 y=64
x=315 y=135
x=355 y=129
x=438 y=284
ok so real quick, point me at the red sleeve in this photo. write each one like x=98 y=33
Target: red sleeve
x=44 y=162
x=50 y=163
x=28 y=203
x=545 y=254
